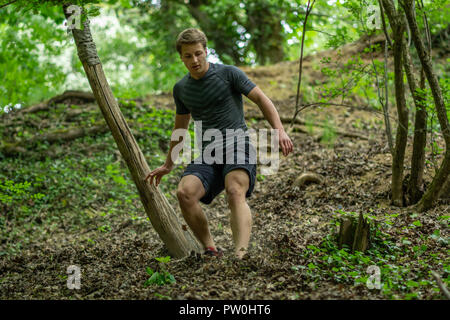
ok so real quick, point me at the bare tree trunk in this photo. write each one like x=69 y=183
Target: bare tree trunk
x=162 y=216
x=415 y=190
x=431 y=195
x=398 y=26
x=445 y=190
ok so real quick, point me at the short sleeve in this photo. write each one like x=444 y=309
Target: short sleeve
x=180 y=107
x=240 y=81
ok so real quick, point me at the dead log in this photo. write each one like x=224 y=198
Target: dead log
x=85 y=97
x=18 y=147
x=354 y=234
x=12 y=148
x=179 y=243
x=78 y=96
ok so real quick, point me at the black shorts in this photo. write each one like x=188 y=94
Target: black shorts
x=213 y=175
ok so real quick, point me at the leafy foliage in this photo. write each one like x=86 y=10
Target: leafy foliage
x=397 y=276
x=161 y=277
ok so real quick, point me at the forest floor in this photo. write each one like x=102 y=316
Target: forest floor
x=292 y=254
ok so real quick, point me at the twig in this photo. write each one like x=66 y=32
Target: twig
x=441 y=284
x=7 y=4
x=386 y=34
x=308 y=11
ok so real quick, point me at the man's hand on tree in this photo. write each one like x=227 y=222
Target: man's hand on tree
x=158 y=173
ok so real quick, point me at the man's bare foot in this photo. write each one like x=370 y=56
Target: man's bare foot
x=241 y=253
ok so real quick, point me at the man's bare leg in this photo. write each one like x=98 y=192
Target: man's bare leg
x=190 y=191
x=236 y=185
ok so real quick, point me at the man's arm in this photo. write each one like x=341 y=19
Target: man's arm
x=271 y=114
x=181 y=122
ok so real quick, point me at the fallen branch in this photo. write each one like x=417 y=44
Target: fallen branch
x=12 y=148
x=87 y=97
x=441 y=284
x=302 y=130
x=22 y=146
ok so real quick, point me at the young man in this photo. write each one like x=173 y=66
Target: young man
x=212 y=94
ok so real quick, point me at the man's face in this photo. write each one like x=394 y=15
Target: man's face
x=194 y=58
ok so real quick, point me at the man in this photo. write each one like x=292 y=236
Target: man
x=212 y=93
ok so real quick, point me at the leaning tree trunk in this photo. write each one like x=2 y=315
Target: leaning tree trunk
x=398 y=26
x=432 y=194
x=162 y=216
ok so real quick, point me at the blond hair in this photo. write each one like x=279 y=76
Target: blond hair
x=191 y=36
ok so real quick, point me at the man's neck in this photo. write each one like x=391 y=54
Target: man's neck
x=203 y=74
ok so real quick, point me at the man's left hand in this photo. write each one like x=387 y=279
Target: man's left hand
x=285 y=143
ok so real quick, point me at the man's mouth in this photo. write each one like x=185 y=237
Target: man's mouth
x=196 y=67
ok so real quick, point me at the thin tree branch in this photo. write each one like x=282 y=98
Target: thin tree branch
x=7 y=4
x=441 y=284
x=383 y=20
x=308 y=11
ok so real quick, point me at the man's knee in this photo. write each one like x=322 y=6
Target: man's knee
x=235 y=190
x=189 y=191
x=186 y=195
x=236 y=184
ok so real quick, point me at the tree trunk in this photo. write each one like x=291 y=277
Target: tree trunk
x=354 y=234
x=445 y=190
x=162 y=216
x=432 y=194
x=415 y=190
x=266 y=31
x=398 y=26
x=224 y=43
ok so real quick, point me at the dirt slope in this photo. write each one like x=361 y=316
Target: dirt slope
x=287 y=219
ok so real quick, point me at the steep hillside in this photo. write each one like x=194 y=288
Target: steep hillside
x=68 y=199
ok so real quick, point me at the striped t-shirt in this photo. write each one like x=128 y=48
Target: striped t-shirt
x=215 y=99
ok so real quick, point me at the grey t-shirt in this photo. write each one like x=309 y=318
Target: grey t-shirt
x=215 y=99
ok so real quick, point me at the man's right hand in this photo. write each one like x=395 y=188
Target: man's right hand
x=158 y=173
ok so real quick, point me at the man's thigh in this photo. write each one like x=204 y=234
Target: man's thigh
x=210 y=177
x=241 y=176
x=237 y=179
x=192 y=186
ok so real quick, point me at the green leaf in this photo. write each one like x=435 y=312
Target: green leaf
x=417 y=223
x=163 y=259
x=412 y=284
x=149 y=271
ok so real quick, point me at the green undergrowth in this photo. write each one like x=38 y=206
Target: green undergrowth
x=86 y=187
x=404 y=267
x=161 y=277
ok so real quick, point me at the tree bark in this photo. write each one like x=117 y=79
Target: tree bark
x=162 y=216
x=432 y=194
x=266 y=31
x=225 y=44
x=354 y=234
x=415 y=190
x=398 y=26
